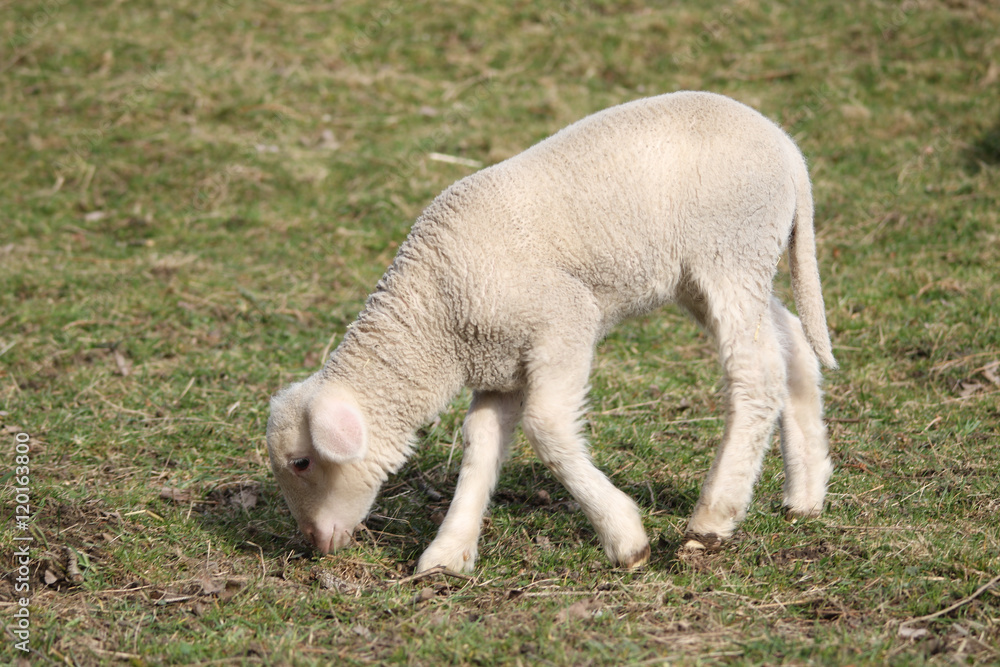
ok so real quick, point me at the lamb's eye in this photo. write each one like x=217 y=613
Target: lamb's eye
x=301 y=464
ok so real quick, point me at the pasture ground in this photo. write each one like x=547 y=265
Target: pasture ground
x=196 y=196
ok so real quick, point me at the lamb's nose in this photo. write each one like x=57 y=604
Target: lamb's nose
x=319 y=539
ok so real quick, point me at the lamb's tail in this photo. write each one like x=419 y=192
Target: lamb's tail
x=805 y=272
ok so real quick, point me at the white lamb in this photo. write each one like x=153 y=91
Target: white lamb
x=510 y=278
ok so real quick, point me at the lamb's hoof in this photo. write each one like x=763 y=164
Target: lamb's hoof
x=796 y=515
x=638 y=559
x=707 y=543
x=460 y=562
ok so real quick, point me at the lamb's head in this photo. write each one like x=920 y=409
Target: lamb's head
x=317 y=441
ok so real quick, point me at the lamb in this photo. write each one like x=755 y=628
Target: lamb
x=512 y=275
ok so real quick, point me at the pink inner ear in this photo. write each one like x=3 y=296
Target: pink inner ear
x=337 y=429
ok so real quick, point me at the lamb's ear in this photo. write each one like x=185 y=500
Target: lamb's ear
x=337 y=429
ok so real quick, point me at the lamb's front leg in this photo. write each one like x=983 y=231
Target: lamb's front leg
x=557 y=386
x=487 y=431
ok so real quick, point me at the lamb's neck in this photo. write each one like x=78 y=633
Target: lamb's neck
x=397 y=362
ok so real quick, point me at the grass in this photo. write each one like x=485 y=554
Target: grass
x=199 y=195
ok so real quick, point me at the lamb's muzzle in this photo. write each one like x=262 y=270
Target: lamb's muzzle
x=327 y=540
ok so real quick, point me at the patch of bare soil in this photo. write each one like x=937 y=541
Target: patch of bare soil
x=812 y=553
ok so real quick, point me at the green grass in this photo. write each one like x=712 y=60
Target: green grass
x=197 y=197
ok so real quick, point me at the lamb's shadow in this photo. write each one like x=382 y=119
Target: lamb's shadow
x=533 y=502
x=558 y=516
x=983 y=151
x=253 y=517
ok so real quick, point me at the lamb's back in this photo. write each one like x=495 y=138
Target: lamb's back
x=622 y=198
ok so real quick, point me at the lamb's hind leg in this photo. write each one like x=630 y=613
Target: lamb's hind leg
x=755 y=376
x=557 y=386
x=487 y=432
x=803 y=435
